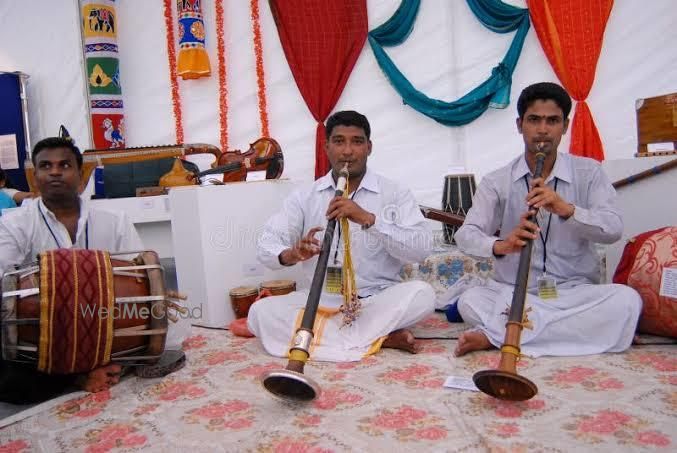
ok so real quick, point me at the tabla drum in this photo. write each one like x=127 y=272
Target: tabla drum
x=279 y=287
x=457 y=199
x=645 y=260
x=241 y=298
x=76 y=310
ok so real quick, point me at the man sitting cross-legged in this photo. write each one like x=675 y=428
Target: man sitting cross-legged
x=387 y=230
x=60 y=218
x=570 y=313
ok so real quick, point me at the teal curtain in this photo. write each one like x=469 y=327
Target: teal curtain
x=493 y=92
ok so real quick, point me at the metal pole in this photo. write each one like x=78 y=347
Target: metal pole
x=24 y=108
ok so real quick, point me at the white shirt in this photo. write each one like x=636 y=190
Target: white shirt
x=24 y=233
x=500 y=200
x=400 y=234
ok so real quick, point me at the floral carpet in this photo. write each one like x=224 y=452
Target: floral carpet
x=392 y=401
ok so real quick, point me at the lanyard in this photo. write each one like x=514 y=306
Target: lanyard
x=58 y=245
x=338 y=240
x=547 y=230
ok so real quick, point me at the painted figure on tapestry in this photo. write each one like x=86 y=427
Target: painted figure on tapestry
x=114 y=136
x=101 y=19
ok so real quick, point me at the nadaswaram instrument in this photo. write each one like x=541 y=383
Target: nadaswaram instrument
x=504 y=383
x=291 y=384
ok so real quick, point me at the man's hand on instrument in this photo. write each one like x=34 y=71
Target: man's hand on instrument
x=517 y=238
x=543 y=196
x=305 y=249
x=341 y=207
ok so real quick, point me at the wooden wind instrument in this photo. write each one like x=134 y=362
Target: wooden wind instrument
x=504 y=383
x=291 y=384
x=646 y=173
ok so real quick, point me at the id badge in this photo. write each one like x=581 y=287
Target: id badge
x=334 y=280
x=547 y=287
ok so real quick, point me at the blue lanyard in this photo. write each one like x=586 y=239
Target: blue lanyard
x=58 y=245
x=547 y=230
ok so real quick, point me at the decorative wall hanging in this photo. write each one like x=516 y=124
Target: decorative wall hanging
x=173 y=78
x=571 y=34
x=493 y=92
x=321 y=41
x=223 y=85
x=260 y=76
x=99 y=22
x=193 y=61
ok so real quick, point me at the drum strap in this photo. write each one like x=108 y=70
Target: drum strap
x=76 y=311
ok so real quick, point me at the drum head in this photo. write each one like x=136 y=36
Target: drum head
x=243 y=291
x=278 y=284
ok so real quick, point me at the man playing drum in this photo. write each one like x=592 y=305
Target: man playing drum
x=387 y=231
x=60 y=218
x=569 y=312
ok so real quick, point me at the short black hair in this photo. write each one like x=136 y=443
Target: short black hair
x=347 y=118
x=56 y=142
x=544 y=91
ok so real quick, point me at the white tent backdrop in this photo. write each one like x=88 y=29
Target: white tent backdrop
x=448 y=53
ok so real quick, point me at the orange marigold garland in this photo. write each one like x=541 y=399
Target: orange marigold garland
x=223 y=87
x=260 y=79
x=171 y=55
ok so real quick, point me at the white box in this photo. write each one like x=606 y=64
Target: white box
x=214 y=234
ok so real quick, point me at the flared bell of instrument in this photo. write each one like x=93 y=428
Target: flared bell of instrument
x=505 y=385
x=290 y=386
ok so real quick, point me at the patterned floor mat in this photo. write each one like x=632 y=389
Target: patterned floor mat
x=391 y=401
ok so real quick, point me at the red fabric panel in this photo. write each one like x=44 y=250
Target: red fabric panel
x=585 y=139
x=321 y=160
x=74 y=331
x=571 y=34
x=321 y=41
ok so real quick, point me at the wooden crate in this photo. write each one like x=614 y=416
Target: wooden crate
x=656 y=121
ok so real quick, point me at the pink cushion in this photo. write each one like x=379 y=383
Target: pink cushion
x=643 y=264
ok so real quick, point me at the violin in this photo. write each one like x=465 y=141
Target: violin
x=265 y=154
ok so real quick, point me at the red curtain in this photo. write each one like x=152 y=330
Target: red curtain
x=321 y=40
x=571 y=33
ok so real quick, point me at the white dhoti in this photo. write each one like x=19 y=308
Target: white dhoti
x=274 y=320
x=586 y=319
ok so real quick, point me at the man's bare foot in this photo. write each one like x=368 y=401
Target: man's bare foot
x=473 y=340
x=100 y=379
x=402 y=339
x=239 y=328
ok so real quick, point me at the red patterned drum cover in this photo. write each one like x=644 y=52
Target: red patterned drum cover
x=70 y=321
